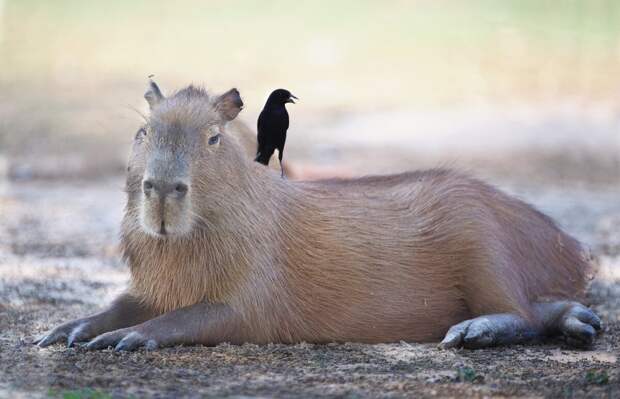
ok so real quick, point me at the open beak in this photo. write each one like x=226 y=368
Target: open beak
x=290 y=99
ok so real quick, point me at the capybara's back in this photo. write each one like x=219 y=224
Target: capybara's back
x=412 y=254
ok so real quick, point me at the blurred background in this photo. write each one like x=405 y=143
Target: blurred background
x=514 y=88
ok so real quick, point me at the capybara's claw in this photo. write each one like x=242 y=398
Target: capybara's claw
x=123 y=340
x=454 y=336
x=79 y=334
x=133 y=341
x=104 y=341
x=481 y=333
x=51 y=338
x=73 y=332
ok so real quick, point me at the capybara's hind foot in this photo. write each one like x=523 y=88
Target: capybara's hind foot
x=577 y=323
x=487 y=331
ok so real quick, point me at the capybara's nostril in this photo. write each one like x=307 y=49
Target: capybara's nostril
x=163 y=189
x=181 y=189
x=147 y=186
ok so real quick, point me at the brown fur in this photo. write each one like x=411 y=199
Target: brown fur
x=374 y=259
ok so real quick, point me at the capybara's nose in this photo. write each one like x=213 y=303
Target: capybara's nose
x=162 y=189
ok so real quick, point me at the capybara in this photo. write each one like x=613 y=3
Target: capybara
x=221 y=249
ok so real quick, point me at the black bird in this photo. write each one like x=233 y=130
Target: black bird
x=272 y=126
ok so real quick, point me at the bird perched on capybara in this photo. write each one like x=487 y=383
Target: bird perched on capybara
x=221 y=249
x=272 y=125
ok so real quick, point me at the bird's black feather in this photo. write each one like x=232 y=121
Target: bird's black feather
x=273 y=123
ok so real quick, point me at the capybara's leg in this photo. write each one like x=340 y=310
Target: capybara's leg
x=197 y=324
x=575 y=322
x=125 y=311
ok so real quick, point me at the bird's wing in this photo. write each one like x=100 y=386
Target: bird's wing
x=261 y=127
x=285 y=122
x=278 y=122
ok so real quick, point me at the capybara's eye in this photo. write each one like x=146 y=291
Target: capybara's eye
x=214 y=139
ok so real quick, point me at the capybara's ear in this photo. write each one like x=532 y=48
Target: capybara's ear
x=153 y=95
x=229 y=104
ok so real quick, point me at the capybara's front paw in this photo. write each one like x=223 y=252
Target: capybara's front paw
x=125 y=339
x=73 y=331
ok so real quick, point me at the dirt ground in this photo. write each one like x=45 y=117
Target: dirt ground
x=58 y=261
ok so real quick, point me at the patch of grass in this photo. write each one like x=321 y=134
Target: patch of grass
x=84 y=393
x=597 y=377
x=468 y=374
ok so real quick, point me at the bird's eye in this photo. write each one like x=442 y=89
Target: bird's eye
x=141 y=133
x=214 y=139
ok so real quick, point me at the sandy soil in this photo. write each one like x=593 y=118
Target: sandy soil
x=58 y=261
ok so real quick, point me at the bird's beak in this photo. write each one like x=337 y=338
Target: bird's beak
x=290 y=99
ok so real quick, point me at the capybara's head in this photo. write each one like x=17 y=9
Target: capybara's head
x=181 y=159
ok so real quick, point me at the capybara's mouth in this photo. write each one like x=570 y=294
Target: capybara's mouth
x=172 y=220
x=164 y=228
